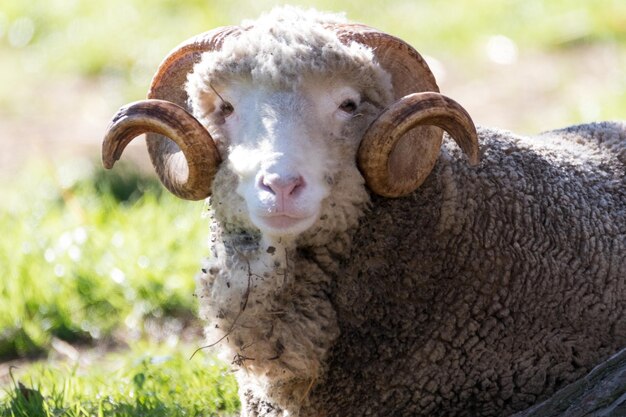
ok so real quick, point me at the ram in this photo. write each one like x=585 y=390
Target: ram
x=360 y=267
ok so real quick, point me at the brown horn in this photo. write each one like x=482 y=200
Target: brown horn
x=169 y=84
x=169 y=158
x=416 y=149
x=393 y=172
x=409 y=72
x=188 y=177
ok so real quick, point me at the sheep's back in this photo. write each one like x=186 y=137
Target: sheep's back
x=488 y=288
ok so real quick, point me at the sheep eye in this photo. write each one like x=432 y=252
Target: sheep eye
x=348 y=106
x=226 y=108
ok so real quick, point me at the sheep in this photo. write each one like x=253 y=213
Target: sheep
x=362 y=262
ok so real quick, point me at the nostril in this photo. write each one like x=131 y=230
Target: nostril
x=297 y=185
x=265 y=185
x=279 y=185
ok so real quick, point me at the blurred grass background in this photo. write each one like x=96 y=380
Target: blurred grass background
x=94 y=259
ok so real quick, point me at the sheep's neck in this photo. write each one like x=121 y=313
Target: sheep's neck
x=266 y=305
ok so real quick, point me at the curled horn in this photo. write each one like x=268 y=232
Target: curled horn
x=190 y=176
x=392 y=173
x=181 y=150
x=401 y=147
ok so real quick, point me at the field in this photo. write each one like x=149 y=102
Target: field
x=97 y=314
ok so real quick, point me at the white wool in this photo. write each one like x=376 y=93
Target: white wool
x=281 y=46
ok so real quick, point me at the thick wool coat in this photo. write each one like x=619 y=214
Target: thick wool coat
x=480 y=294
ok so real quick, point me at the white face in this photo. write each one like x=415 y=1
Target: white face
x=286 y=147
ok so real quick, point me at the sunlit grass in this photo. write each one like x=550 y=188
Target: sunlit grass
x=84 y=253
x=150 y=380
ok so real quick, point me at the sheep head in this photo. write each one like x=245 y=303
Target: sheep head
x=278 y=121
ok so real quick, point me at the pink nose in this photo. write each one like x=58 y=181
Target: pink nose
x=281 y=186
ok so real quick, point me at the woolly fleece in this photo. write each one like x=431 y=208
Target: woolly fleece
x=478 y=295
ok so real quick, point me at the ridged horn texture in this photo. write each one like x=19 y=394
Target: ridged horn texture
x=190 y=176
x=415 y=149
x=185 y=164
x=168 y=84
x=391 y=173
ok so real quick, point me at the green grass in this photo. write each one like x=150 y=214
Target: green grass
x=88 y=257
x=85 y=253
x=150 y=380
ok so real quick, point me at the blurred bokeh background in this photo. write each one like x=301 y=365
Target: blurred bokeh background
x=89 y=258
x=524 y=65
